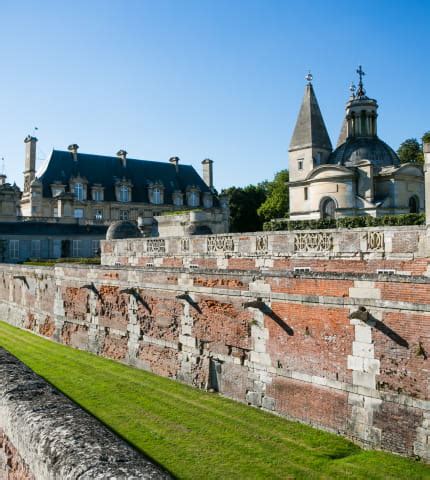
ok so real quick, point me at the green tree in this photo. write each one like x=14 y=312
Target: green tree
x=276 y=204
x=426 y=137
x=244 y=203
x=410 y=151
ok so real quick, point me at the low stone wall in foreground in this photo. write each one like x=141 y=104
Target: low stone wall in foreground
x=43 y=435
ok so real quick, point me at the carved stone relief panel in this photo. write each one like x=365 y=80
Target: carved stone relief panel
x=313 y=242
x=185 y=244
x=375 y=241
x=156 y=245
x=220 y=244
x=261 y=243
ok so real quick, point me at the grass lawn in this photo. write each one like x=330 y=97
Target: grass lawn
x=198 y=435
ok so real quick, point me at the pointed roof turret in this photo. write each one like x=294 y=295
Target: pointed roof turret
x=310 y=129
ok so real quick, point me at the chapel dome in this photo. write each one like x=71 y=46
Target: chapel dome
x=356 y=149
x=122 y=229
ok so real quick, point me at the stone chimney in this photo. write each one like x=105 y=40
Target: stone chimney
x=122 y=155
x=30 y=161
x=426 y=150
x=73 y=149
x=208 y=172
x=175 y=161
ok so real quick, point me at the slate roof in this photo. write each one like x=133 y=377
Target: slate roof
x=34 y=228
x=310 y=129
x=106 y=171
x=356 y=149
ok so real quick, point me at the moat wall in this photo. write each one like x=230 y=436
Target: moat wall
x=331 y=328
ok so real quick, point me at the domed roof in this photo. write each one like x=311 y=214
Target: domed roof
x=356 y=149
x=122 y=229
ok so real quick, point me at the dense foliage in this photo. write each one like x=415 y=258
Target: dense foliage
x=410 y=151
x=346 y=222
x=276 y=204
x=244 y=203
x=251 y=206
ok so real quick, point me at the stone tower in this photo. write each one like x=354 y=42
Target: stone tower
x=310 y=145
x=309 y=148
x=30 y=161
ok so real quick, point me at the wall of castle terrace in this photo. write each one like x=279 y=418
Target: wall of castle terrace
x=344 y=351
x=402 y=250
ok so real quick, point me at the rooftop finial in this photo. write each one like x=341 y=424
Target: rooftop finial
x=360 y=92
x=309 y=77
x=352 y=89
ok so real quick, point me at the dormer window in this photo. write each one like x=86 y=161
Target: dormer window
x=178 y=200
x=156 y=196
x=124 y=194
x=97 y=194
x=193 y=198
x=207 y=200
x=156 y=193
x=78 y=190
x=123 y=190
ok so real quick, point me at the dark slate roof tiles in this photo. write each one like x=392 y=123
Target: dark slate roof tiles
x=104 y=170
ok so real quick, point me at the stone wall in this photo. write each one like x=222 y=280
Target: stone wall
x=404 y=250
x=43 y=435
x=304 y=326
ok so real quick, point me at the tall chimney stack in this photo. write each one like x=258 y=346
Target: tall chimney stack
x=73 y=149
x=208 y=172
x=30 y=161
x=122 y=154
x=426 y=150
x=175 y=161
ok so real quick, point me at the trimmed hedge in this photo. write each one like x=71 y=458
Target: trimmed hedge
x=346 y=222
x=53 y=261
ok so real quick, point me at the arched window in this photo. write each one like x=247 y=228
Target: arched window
x=193 y=199
x=156 y=196
x=414 y=206
x=124 y=194
x=79 y=191
x=328 y=208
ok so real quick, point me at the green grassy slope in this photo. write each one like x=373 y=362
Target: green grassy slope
x=195 y=434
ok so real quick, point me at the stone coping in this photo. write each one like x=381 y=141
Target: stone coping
x=56 y=438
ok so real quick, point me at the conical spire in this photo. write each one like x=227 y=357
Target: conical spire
x=310 y=129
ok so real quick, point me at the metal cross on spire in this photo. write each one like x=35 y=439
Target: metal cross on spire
x=360 y=92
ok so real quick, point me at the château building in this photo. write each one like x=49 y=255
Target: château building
x=94 y=189
x=361 y=176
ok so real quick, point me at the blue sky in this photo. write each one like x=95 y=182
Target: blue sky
x=218 y=79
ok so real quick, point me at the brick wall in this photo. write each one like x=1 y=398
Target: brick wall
x=346 y=350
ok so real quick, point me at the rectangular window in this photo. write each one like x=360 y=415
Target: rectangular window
x=124 y=194
x=79 y=213
x=79 y=191
x=300 y=164
x=123 y=215
x=98 y=214
x=14 y=249
x=55 y=212
x=97 y=195
x=76 y=248
x=96 y=247
x=306 y=193
x=35 y=249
